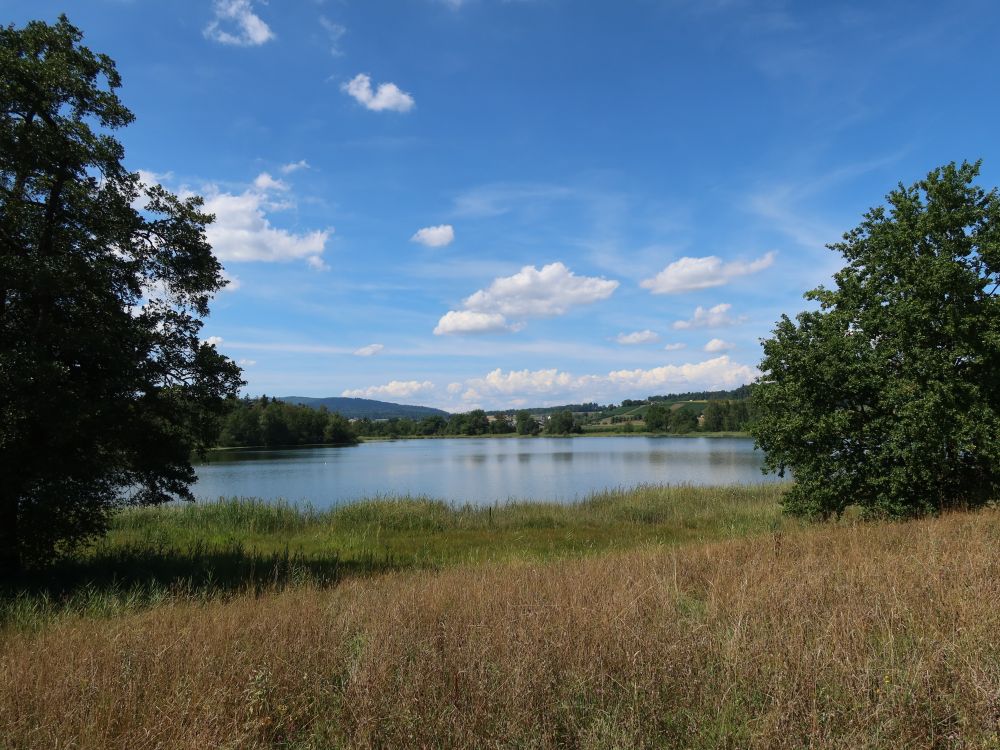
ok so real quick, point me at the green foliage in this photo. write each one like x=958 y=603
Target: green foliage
x=526 y=424
x=562 y=423
x=269 y=422
x=105 y=388
x=657 y=418
x=682 y=421
x=888 y=395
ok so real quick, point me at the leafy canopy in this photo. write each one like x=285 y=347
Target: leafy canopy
x=888 y=395
x=105 y=388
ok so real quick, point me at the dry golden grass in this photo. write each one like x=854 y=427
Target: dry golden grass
x=872 y=636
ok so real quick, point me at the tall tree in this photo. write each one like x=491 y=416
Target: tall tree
x=888 y=395
x=105 y=388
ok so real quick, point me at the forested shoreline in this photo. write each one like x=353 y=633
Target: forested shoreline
x=269 y=422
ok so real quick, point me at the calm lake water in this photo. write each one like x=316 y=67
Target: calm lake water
x=478 y=471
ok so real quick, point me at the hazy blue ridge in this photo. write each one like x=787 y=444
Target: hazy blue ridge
x=357 y=408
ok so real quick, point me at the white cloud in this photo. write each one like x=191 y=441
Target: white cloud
x=368 y=351
x=236 y=23
x=530 y=293
x=392 y=389
x=294 y=166
x=247 y=362
x=439 y=236
x=638 y=337
x=674 y=347
x=264 y=181
x=214 y=340
x=454 y=388
x=690 y=274
x=500 y=389
x=466 y=321
x=713 y=317
x=335 y=32
x=150 y=178
x=232 y=282
x=388 y=96
x=717 y=345
x=242 y=231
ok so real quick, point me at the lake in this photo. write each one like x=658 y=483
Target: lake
x=477 y=470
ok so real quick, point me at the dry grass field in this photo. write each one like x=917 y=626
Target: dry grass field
x=851 y=636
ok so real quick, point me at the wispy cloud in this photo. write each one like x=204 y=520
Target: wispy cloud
x=294 y=166
x=236 y=23
x=712 y=317
x=335 y=32
x=637 y=337
x=387 y=97
x=498 y=199
x=369 y=351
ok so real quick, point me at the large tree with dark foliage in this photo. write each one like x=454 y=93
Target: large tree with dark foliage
x=105 y=388
x=888 y=396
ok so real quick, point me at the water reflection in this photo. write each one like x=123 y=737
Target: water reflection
x=477 y=470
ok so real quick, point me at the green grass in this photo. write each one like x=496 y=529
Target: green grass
x=210 y=550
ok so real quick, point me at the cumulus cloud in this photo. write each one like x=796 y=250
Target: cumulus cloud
x=638 y=337
x=439 y=236
x=242 y=231
x=236 y=23
x=467 y=321
x=530 y=293
x=674 y=347
x=501 y=388
x=247 y=362
x=691 y=274
x=368 y=351
x=214 y=340
x=388 y=96
x=294 y=166
x=713 y=317
x=717 y=345
x=392 y=389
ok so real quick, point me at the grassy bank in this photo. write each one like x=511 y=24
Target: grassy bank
x=211 y=550
x=851 y=636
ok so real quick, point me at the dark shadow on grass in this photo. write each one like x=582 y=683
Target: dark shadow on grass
x=134 y=576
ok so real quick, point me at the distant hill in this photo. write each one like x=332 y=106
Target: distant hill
x=358 y=408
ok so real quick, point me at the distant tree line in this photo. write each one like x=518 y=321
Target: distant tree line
x=476 y=422
x=268 y=422
x=737 y=394
x=718 y=416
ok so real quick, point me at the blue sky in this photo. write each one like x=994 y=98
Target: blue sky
x=617 y=198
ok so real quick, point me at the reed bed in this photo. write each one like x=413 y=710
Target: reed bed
x=852 y=636
x=219 y=549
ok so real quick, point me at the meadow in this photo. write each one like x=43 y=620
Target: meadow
x=654 y=617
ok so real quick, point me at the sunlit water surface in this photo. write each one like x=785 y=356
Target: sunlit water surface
x=477 y=470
